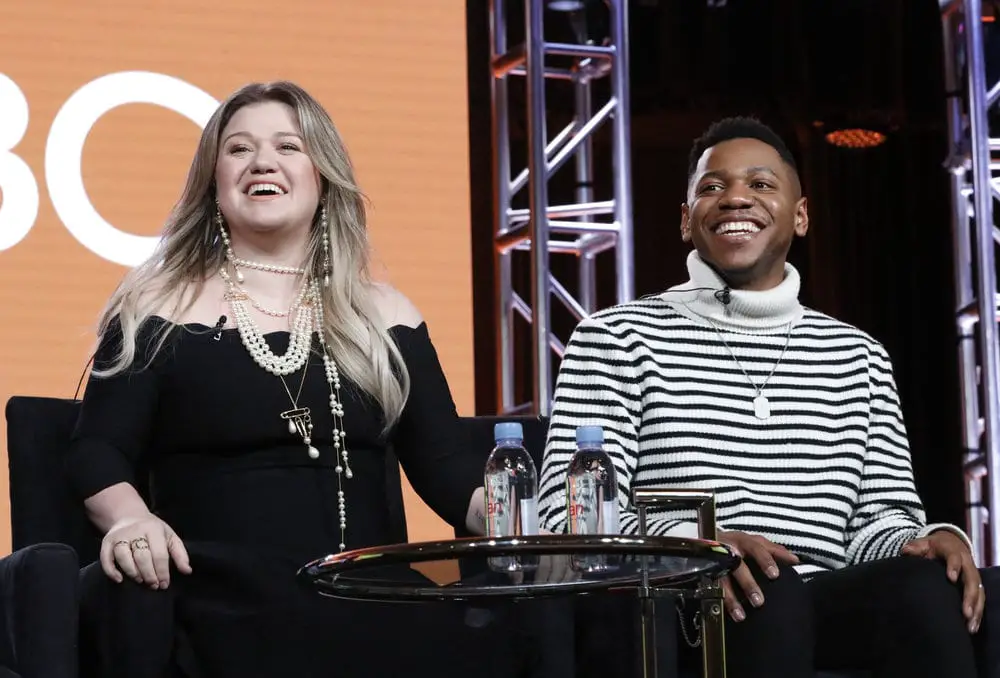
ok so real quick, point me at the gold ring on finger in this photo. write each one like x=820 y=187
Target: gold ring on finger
x=140 y=544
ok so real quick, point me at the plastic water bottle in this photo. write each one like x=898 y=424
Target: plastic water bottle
x=511 y=483
x=592 y=495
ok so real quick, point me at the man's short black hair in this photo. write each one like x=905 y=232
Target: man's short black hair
x=738 y=127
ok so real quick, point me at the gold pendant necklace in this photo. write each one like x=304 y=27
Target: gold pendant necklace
x=299 y=418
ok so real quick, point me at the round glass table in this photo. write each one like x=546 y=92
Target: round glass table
x=534 y=566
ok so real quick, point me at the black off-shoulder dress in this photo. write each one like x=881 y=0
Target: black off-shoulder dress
x=198 y=430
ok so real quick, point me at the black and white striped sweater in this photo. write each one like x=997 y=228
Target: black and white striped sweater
x=827 y=475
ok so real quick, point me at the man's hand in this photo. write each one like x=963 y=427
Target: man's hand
x=766 y=554
x=949 y=548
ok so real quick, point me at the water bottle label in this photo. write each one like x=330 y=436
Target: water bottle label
x=497 y=500
x=583 y=515
x=529 y=516
x=609 y=516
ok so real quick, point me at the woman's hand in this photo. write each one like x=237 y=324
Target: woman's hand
x=475 y=518
x=555 y=569
x=141 y=548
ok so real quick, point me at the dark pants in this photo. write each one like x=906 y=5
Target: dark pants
x=899 y=617
x=896 y=617
x=130 y=631
x=126 y=630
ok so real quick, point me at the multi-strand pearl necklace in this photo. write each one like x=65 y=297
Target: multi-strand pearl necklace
x=308 y=312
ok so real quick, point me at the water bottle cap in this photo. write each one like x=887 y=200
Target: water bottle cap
x=508 y=430
x=590 y=434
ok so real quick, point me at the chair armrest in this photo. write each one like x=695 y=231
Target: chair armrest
x=39 y=604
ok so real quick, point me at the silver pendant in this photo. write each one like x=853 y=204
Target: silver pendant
x=761 y=407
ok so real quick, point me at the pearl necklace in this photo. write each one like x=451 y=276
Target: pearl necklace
x=253 y=339
x=268 y=268
x=308 y=319
x=236 y=262
x=270 y=311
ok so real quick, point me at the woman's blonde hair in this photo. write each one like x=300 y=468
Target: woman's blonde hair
x=190 y=251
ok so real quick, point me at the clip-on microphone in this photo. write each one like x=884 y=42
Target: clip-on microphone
x=218 y=327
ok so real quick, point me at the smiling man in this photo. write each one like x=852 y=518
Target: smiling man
x=727 y=383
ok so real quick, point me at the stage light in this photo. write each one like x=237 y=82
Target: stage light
x=855 y=137
x=577 y=12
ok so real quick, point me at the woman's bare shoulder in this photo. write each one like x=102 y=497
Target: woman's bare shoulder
x=196 y=303
x=394 y=307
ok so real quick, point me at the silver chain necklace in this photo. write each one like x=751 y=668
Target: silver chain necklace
x=761 y=405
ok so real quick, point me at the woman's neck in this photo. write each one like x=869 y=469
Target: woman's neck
x=707 y=297
x=273 y=249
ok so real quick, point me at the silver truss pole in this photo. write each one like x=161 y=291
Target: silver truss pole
x=584 y=107
x=986 y=275
x=622 y=160
x=545 y=229
x=961 y=229
x=501 y=204
x=974 y=234
x=538 y=203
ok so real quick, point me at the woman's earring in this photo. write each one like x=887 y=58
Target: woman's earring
x=220 y=222
x=325 y=234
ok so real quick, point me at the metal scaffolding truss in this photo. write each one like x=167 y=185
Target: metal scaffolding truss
x=582 y=228
x=973 y=186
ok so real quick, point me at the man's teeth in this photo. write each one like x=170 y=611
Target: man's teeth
x=738 y=227
x=259 y=189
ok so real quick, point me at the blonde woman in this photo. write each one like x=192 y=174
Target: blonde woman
x=249 y=379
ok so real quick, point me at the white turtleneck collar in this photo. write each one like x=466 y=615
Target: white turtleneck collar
x=747 y=311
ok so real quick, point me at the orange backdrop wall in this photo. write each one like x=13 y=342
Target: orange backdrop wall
x=100 y=111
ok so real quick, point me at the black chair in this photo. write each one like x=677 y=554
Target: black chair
x=38 y=624
x=42 y=506
x=39 y=582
